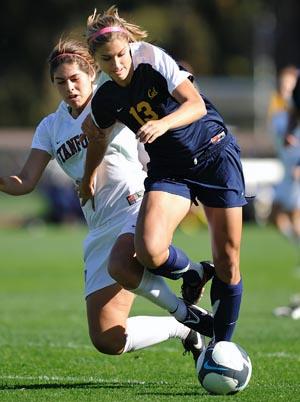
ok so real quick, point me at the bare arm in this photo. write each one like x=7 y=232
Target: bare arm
x=27 y=179
x=97 y=146
x=192 y=108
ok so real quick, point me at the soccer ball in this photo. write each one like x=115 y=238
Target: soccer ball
x=224 y=368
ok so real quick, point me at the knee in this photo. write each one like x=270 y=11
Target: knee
x=109 y=343
x=151 y=253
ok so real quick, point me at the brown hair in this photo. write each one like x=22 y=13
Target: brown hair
x=72 y=51
x=111 y=18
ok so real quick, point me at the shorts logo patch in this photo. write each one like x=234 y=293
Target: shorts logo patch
x=217 y=138
x=133 y=198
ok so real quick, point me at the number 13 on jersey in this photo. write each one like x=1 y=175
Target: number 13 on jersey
x=143 y=113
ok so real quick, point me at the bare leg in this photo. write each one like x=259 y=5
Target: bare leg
x=107 y=313
x=225 y=225
x=112 y=332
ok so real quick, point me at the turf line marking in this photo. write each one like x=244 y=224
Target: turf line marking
x=68 y=345
x=281 y=355
x=76 y=379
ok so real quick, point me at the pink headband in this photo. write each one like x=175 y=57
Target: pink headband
x=59 y=56
x=69 y=54
x=106 y=30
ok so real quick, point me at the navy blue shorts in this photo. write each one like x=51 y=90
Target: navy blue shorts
x=216 y=179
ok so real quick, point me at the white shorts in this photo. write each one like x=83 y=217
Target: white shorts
x=97 y=247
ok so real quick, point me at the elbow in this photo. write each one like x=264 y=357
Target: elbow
x=22 y=185
x=28 y=190
x=16 y=185
x=201 y=107
x=22 y=191
x=202 y=111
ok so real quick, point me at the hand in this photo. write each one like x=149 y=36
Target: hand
x=86 y=191
x=151 y=130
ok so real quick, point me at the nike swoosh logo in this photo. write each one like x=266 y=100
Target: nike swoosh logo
x=199 y=344
x=119 y=110
x=194 y=319
x=207 y=366
x=181 y=271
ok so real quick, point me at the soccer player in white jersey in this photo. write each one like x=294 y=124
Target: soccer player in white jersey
x=117 y=195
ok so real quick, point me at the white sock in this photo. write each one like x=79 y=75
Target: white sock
x=145 y=331
x=155 y=289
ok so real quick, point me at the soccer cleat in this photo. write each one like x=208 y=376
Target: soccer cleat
x=192 y=287
x=194 y=343
x=282 y=311
x=198 y=319
x=287 y=311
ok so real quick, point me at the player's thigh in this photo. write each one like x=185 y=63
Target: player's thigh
x=123 y=265
x=226 y=232
x=108 y=310
x=159 y=216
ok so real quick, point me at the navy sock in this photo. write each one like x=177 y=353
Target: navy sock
x=228 y=300
x=175 y=266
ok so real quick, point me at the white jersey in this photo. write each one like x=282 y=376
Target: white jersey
x=120 y=177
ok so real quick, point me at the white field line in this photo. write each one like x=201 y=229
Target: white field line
x=280 y=355
x=75 y=379
x=69 y=345
x=63 y=379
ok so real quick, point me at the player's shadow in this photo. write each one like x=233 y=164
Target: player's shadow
x=55 y=385
x=142 y=389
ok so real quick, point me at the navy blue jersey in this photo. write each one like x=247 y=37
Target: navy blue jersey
x=149 y=97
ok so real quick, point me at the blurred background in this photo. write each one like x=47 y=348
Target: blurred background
x=236 y=49
x=244 y=55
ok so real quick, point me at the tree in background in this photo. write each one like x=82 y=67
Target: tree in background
x=214 y=36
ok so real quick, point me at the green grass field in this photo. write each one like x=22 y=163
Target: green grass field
x=46 y=354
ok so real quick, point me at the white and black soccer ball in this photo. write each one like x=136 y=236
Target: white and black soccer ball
x=224 y=368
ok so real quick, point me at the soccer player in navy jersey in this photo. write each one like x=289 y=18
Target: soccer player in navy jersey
x=193 y=157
